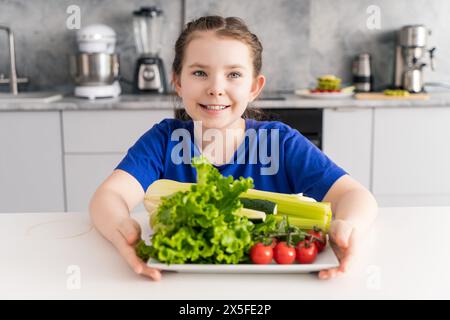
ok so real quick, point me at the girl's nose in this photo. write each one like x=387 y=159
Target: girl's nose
x=216 y=89
x=212 y=92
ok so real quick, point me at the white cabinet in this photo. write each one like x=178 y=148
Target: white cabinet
x=31 y=170
x=347 y=140
x=95 y=142
x=100 y=131
x=412 y=156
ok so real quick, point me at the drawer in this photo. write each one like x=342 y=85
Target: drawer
x=31 y=166
x=112 y=131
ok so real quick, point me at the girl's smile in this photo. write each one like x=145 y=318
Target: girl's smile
x=214 y=109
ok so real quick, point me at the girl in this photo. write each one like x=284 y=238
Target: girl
x=216 y=72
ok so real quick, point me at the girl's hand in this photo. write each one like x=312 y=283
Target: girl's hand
x=343 y=240
x=127 y=234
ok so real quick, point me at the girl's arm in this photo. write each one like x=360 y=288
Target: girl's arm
x=110 y=209
x=352 y=202
x=354 y=209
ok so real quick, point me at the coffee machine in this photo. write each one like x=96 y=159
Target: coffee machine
x=410 y=55
x=149 y=75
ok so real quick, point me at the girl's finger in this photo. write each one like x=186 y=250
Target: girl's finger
x=337 y=250
x=328 y=274
x=347 y=260
x=138 y=266
x=340 y=233
x=154 y=274
x=345 y=263
x=130 y=230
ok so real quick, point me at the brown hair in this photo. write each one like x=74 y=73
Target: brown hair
x=231 y=27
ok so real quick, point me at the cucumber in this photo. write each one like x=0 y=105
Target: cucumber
x=265 y=206
x=253 y=215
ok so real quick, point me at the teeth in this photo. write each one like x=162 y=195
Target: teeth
x=214 y=107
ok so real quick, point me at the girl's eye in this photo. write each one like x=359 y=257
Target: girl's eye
x=198 y=73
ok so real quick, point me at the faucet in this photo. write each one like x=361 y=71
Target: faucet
x=13 y=80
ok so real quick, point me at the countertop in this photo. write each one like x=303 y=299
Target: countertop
x=149 y=102
x=406 y=255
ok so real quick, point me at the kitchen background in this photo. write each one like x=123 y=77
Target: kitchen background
x=302 y=39
x=56 y=149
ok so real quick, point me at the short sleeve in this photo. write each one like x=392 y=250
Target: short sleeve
x=309 y=170
x=145 y=159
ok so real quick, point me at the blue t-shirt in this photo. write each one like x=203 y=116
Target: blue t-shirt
x=277 y=157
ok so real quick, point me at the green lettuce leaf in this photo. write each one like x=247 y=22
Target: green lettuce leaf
x=199 y=225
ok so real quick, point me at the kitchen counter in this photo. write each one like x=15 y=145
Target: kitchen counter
x=149 y=102
x=406 y=256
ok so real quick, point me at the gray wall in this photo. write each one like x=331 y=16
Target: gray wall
x=302 y=39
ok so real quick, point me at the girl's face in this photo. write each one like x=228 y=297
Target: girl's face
x=216 y=81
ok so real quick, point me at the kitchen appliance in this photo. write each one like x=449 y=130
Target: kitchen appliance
x=149 y=76
x=95 y=68
x=410 y=58
x=362 y=73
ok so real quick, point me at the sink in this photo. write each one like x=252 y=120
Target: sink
x=35 y=97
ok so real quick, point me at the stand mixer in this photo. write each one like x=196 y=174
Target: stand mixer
x=150 y=76
x=95 y=68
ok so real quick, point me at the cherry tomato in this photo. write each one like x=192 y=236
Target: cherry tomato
x=306 y=252
x=261 y=254
x=284 y=254
x=319 y=234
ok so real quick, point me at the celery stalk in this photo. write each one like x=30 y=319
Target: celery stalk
x=306 y=224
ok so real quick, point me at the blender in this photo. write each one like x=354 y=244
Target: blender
x=149 y=73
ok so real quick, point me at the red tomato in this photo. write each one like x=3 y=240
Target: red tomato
x=306 y=252
x=261 y=254
x=284 y=254
x=319 y=234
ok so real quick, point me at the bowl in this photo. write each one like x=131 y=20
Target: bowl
x=93 y=69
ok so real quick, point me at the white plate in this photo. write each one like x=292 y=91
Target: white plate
x=323 y=95
x=325 y=260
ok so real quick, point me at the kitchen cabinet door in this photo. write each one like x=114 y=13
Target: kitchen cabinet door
x=84 y=174
x=412 y=156
x=347 y=140
x=107 y=130
x=31 y=170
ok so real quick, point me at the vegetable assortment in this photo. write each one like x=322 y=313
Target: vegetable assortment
x=220 y=220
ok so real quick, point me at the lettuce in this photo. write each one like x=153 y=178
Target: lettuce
x=199 y=225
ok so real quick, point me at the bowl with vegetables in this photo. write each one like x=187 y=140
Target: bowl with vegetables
x=224 y=225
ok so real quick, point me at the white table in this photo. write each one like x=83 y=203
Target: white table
x=59 y=255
